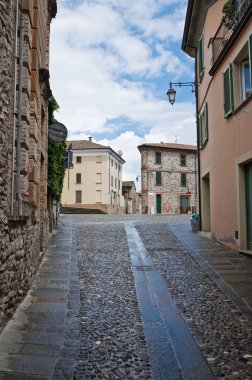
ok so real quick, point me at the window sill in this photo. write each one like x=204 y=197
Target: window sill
x=240 y=107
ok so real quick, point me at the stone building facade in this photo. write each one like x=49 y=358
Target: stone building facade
x=169 y=178
x=24 y=93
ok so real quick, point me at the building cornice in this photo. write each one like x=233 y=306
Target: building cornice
x=195 y=18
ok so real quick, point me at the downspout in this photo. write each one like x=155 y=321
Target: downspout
x=198 y=137
x=14 y=111
x=19 y=125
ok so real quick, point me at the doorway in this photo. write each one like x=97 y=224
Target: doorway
x=184 y=204
x=206 y=204
x=158 y=203
x=248 y=190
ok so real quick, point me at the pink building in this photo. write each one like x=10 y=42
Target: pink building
x=218 y=34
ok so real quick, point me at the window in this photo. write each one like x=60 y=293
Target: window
x=158 y=178
x=183 y=159
x=201 y=57
x=78 y=159
x=98 y=159
x=203 y=126
x=112 y=181
x=78 y=177
x=98 y=178
x=119 y=167
x=115 y=182
x=237 y=79
x=78 y=196
x=112 y=162
x=245 y=80
x=98 y=196
x=158 y=157
x=116 y=165
x=183 y=179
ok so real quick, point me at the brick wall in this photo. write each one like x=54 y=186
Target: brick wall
x=23 y=234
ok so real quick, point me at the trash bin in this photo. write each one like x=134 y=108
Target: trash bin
x=195 y=222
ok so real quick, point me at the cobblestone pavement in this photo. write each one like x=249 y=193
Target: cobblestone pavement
x=112 y=340
x=222 y=332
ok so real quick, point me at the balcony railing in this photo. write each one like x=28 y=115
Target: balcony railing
x=226 y=29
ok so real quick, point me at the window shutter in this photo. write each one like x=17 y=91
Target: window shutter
x=228 y=91
x=206 y=122
x=201 y=55
x=200 y=131
x=250 y=60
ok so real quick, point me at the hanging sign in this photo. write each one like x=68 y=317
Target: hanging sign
x=57 y=132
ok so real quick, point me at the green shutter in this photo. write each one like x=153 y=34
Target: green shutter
x=201 y=55
x=228 y=91
x=206 y=122
x=200 y=131
x=158 y=178
x=250 y=60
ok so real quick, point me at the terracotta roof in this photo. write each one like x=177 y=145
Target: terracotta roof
x=170 y=146
x=85 y=144
x=128 y=183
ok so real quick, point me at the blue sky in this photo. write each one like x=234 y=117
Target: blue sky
x=111 y=62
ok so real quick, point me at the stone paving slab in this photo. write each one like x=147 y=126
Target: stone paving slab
x=33 y=342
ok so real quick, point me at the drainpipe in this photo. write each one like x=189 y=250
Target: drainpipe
x=19 y=125
x=14 y=111
x=198 y=137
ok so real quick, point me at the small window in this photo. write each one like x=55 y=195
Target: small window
x=158 y=178
x=203 y=126
x=78 y=159
x=183 y=179
x=116 y=165
x=158 y=157
x=112 y=162
x=78 y=177
x=98 y=196
x=98 y=159
x=183 y=159
x=112 y=181
x=78 y=196
x=98 y=178
x=116 y=183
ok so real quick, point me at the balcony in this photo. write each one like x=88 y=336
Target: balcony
x=237 y=11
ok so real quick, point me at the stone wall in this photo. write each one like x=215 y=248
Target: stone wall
x=170 y=189
x=23 y=229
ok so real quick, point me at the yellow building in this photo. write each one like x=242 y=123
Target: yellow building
x=95 y=181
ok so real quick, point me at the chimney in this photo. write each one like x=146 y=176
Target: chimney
x=90 y=139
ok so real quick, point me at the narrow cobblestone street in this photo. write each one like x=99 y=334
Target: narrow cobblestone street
x=133 y=297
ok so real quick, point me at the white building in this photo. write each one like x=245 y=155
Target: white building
x=95 y=182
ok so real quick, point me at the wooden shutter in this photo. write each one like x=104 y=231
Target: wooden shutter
x=250 y=60
x=201 y=56
x=206 y=122
x=228 y=91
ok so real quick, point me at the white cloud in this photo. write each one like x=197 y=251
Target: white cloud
x=108 y=61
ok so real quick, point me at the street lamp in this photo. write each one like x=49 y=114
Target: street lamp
x=171 y=93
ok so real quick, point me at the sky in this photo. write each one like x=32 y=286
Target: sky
x=111 y=62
